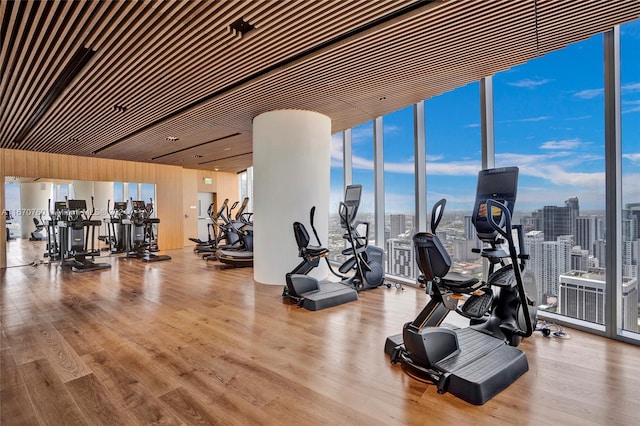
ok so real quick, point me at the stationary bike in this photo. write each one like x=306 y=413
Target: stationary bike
x=477 y=362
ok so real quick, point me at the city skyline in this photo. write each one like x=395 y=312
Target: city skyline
x=548 y=120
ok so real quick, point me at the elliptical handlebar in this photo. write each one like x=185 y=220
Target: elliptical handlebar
x=504 y=229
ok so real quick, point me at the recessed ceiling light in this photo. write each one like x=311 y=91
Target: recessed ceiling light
x=197 y=156
x=172 y=138
x=216 y=169
x=227 y=148
x=119 y=108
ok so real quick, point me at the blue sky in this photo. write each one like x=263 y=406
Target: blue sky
x=548 y=121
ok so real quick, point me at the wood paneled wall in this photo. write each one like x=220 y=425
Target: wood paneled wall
x=3 y=219
x=176 y=187
x=225 y=185
x=190 y=205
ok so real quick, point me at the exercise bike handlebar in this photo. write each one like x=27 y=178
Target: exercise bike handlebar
x=504 y=229
x=436 y=214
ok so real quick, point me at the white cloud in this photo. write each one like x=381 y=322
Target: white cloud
x=633 y=157
x=589 y=93
x=472 y=125
x=634 y=106
x=582 y=117
x=361 y=163
x=541 y=118
x=361 y=134
x=527 y=119
x=631 y=87
x=529 y=83
x=563 y=144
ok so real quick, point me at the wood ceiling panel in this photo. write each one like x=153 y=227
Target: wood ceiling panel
x=176 y=68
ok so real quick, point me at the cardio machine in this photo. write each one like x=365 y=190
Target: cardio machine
x=118 y=228
x=238 y=252
x=76 y=232
x=477 y=362
x=143 y=241
x=365 y=262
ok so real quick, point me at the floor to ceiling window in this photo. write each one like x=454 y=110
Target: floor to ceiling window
x=630 y=135
x=363 y=173
x=549 y=122
x=399 y=196
x=453 y=151
x=336 y=195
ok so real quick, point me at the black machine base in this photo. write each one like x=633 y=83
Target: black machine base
x=314 y=295
x=89 y=266
x=149 y=257
x=236 y=258
x=484 y=367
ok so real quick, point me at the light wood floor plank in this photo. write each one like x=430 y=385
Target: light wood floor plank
x=184 y=341
x=96 y=403
x=53 y=404
x=128 y=391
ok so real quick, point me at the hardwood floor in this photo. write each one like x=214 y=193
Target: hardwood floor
x=183 y=342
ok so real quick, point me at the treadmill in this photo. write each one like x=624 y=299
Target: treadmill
x=477 y=362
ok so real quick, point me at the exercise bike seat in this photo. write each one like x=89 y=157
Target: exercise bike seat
x=316 y=251
x=458 y=282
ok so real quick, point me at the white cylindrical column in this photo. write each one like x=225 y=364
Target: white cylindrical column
x=291 y=165
x=34 y=199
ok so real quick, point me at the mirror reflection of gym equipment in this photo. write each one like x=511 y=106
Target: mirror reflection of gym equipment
x=27 y=203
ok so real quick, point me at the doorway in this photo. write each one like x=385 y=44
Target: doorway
x=205 y=200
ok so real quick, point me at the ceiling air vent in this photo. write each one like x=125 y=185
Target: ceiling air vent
x=240 y=27
x=76 y=64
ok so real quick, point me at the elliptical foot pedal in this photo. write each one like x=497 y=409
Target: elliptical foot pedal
x=477 y=304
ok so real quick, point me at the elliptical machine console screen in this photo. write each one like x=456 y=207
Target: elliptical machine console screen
x=138 y=205
x=499 y=184
x=352 y=201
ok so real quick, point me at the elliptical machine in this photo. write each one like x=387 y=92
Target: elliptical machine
x=143 y=241
x=477 y=362
x=76 y=231
x=365 y=261
x=238 y=252
x=118 y=228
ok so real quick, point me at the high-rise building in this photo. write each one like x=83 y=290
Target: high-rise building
x=633 y=210
x=586 y=232
x=547 y=260
x=469 y=229
x=555 y=221
x=401 y=260
x=533 y=247
x=582 y=295
x=574 y=211
x=398 y=225
x=579 y=259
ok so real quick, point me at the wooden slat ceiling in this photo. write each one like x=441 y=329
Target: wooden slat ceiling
x=115 y=79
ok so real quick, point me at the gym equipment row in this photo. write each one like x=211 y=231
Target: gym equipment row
x=230 y=236
x=133 y=230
